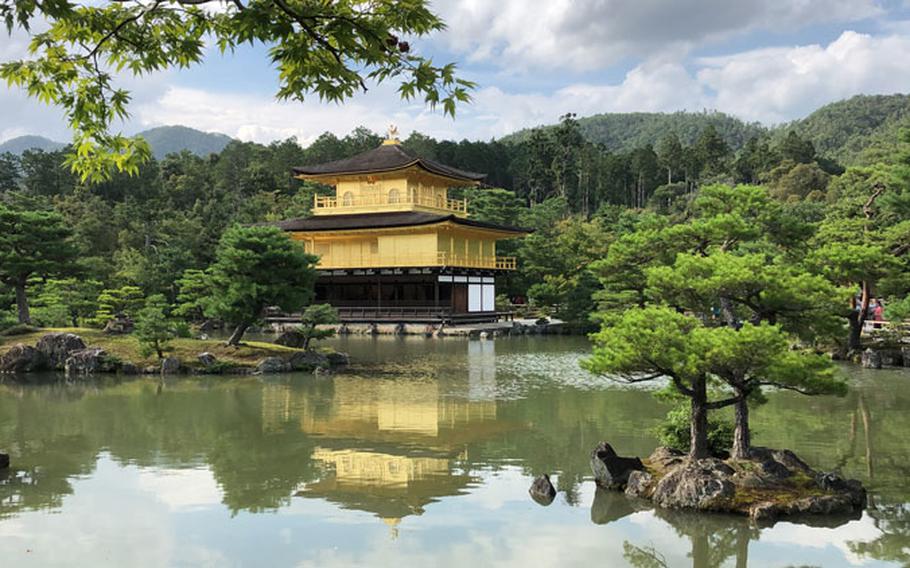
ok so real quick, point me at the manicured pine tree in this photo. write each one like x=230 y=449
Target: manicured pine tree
x=256 y=268
x=154 y=329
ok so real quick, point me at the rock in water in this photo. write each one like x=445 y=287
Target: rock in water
x=4 y=461
x=273 y=365
x=86 y=362
x=338 y=359
x=610 y=470
x=21 y=358
x=892 y=357
x=696 y=484
x=542 y=491
x=307 y=361
x=291 y=338
x=170 y=366
x=639 y=484
x=57 y=347
x=872 y=359
x=207 y=359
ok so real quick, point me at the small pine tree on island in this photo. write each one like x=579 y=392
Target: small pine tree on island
x=725 y=309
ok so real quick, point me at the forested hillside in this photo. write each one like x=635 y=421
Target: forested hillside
x=860 y=130
x=166 y=140
x=620 y=132
x=20 y=144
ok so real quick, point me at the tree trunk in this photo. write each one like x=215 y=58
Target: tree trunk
x=698 y=426
x=742 y=437
x=238 y=333
x=726 y=310
x=854 y=339
x=22 y=303
x=858 y=318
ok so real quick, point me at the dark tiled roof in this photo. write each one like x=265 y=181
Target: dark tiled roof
x=388 y=157
x=385 y=221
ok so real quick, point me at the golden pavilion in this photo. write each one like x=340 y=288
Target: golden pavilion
x=392 y=244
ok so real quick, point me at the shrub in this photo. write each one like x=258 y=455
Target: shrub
x=674 y=431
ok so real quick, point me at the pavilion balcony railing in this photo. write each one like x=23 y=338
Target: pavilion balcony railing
x=414 y=260
x=323 y=203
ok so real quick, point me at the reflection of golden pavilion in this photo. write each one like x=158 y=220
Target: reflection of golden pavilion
x=387 y=446
x=372 y=469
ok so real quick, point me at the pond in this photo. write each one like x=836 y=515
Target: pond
x=420 y=454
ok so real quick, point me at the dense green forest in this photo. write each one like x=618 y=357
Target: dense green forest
x=146 y=233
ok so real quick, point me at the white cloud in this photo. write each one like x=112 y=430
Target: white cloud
x=494 y=112
x=777 y=84
x=591 y=34
x=767 y=84
x=181 y=489
x=261 y=118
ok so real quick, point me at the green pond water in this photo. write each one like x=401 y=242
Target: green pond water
x=420 y=454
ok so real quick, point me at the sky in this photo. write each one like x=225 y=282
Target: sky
x=768 y=61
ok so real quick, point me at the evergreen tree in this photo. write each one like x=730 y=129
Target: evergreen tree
x=32 y=243
x=256 y=268
x=314 y=316
x=670 y=154
x=153 y=328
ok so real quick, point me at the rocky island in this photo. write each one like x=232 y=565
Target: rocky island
x=771 y=484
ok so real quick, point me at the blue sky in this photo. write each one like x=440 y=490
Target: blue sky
x=534 y=60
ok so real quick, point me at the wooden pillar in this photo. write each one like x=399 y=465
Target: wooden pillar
x=436 y=291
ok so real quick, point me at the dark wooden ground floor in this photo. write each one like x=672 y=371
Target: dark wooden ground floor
x=432 y=295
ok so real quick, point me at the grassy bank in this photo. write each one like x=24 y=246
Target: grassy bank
x=126 y=347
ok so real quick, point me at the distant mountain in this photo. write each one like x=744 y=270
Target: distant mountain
x=164 y=140
x=22 y=143
x=859 y=130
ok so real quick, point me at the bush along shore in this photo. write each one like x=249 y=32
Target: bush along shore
x=769 y=485
x=83 y=352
